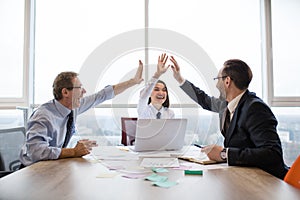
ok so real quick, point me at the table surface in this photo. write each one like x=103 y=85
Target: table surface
x=77 y=178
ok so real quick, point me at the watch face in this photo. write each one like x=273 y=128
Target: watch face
x=223 y=154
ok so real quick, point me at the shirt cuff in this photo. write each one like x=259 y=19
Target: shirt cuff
x=180 y=84
x=227 y=154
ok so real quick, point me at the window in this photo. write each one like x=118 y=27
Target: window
x=223 y=29
x=285 y=18
x=11 y=52
x=65 y=40
x=216 y=31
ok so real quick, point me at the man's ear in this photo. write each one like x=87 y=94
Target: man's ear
x=64 y=91
x=227 y=81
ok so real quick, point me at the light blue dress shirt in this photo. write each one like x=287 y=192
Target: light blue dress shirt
x=148 y=111
x=47 y=127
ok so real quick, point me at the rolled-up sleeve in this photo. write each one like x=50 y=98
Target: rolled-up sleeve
x=37 y=146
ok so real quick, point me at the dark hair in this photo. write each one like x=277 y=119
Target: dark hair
x=167 y=102
x=63 y=80
x=239 y=72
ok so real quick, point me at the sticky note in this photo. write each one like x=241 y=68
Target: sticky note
x=165 y=184
x=156 y=178
x=193 y=172
x=154 y=169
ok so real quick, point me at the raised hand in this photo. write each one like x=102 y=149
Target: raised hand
x=176 y=70
x=161 y=65
x=137 y=79
x=138 y=75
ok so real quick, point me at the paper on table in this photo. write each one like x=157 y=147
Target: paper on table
x=107 y=174
x=160 y=162
x=109 y=153
x=134 y=176
x=161 y=154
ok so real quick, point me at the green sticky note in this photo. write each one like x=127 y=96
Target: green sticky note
x=165 y=184
x=154 y=169
x=156 y=178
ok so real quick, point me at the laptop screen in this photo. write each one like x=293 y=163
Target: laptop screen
x=160 y=134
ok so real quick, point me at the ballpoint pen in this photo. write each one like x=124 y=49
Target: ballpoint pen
x=197 y=145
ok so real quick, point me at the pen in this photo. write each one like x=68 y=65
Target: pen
x=197 y=145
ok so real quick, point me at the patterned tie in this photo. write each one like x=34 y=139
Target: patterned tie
x=158 y=115
x=70 y=129
x=226 y=122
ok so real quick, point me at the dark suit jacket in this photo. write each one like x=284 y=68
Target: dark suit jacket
x=251 y=139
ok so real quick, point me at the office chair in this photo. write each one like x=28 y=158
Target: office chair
x=293 y=175
x=11 y=142
x=128 y=130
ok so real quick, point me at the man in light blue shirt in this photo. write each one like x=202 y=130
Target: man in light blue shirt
x=47 y=126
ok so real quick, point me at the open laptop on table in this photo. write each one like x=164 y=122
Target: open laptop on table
x=159 y=134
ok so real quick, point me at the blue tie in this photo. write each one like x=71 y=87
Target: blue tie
x=70 y=129
x=158 y=115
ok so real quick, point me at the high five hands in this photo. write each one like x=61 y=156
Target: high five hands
x=162 y=67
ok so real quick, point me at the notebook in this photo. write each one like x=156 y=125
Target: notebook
x=194 y=154
x=160 y=134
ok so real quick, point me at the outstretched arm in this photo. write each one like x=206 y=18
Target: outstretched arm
x=137 y=79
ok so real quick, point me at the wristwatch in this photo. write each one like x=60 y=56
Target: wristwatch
x=223 y=154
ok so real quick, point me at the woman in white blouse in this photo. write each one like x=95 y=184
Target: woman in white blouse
x=154 y=99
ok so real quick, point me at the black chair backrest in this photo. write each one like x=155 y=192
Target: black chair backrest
x=11 y=142
x=2 y=166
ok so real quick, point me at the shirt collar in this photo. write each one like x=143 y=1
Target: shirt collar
x=154 y=109
x=63 y=110
x=234 y=102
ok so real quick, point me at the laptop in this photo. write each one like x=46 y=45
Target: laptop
x=159 y=134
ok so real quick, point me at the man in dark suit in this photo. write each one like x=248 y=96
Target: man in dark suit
x=250 y=135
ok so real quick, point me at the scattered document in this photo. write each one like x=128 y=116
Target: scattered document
x=107 y=174
x=134 y=176
x=115 y=153
x=160 y=162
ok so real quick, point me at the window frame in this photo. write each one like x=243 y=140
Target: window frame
x=14 y=102
x=267 y=62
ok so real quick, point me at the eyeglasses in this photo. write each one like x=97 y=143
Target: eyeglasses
x=79 y=87
x=220 y=77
